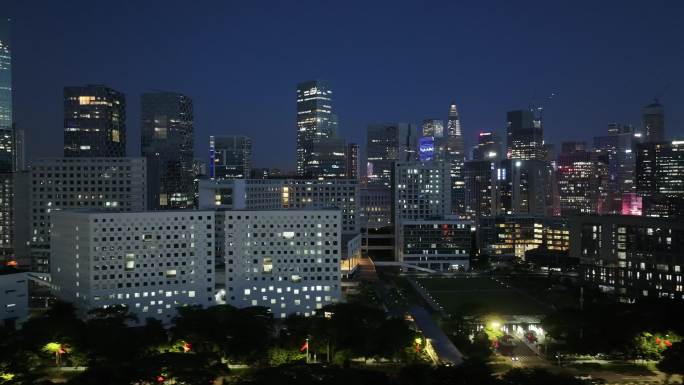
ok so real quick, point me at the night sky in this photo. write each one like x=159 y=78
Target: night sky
x=386 y=61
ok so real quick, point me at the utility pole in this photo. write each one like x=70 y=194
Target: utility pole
x=307 y=350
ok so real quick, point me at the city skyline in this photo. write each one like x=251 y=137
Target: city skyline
x=590 y=93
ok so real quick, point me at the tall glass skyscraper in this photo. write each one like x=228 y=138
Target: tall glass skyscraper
x=167 y=130
x=654 y=122
x=315 y=122
x=94 y=122
x=6 y=131
x=7 y=158
x=525 y=136
x=455 y=155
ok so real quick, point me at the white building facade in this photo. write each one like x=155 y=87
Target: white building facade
x=151 y=262
x=103 y=184
x=286 y=260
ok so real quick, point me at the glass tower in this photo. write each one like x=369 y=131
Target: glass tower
x=168 y=145
x=6 y=131
x=315 y=122
x=94 y=122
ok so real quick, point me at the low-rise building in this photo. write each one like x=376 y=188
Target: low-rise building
x=442 y=244
x=630 y=256
x=286 y=260
x=151 y=262
x=13 y=297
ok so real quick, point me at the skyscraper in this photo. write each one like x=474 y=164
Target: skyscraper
x=315 y=121
x=352 y=155
x=167 y=129
x=525 y=136
x=7 y=150
x=455 y=156
x=387 y=143
x=654 y=122
x=660 y=178
x=6 y=135
x=94 y=122
x=616 y=151
x=230 y=157
x=488 y=147
x=579 y=179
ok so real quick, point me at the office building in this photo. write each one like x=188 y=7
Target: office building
x=660 y=178
x=286 y=260
x=375 y=207
x=421 y=191
x=168 y=146
x=525 y=187
x=272 y=194
x=153 y=262
x=14 y=298
x=511 y=237
x=7 y=144
x=388 y=143
x=114 y=184
x=630 y=257
x=488 y=147
x=478 y=187
x=328 y=159
x=352 y=155
x=454 y=154
x=315 y=121
x=617 y=151
x=94 y=122
x=525 y=136
x=653 y=122
x=580 y=178
x=438 y=244
x=230 y=157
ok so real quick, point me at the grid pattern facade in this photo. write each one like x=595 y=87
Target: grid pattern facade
x=631 y=257
x=286 y=260
x=309 y=194
x=440 y=245
x=230 y=157
x=115 y=184
x=152 y=262
x=315 y=121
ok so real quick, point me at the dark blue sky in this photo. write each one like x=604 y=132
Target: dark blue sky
x=386 y=61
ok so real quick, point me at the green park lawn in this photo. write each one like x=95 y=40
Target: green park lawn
x=479 y=295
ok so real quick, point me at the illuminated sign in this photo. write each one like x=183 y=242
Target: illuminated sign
x=426 y=148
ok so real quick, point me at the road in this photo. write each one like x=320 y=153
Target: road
x=443 y=346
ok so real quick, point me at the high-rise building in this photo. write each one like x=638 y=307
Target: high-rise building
x=660 y=177
x=488 y=147
x=6 y=128
x=628 y=256
x=112 y=184
x=94 y=122
x=7 y=146
x=524 y=187
x=454 y=154
x=168 y=145
x=654 y=122
x=478 y=187
x=617 y=151
x=230 y=157
x=153 y=262
x=352 y=155
x=315 y=121
x=266 y=266
x=14 y=298
x=328 y=158
x=388 y=143
x=579 y=179
x=525 y=136
x=434 y=127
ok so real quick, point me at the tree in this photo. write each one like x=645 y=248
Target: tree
x=673 y=360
